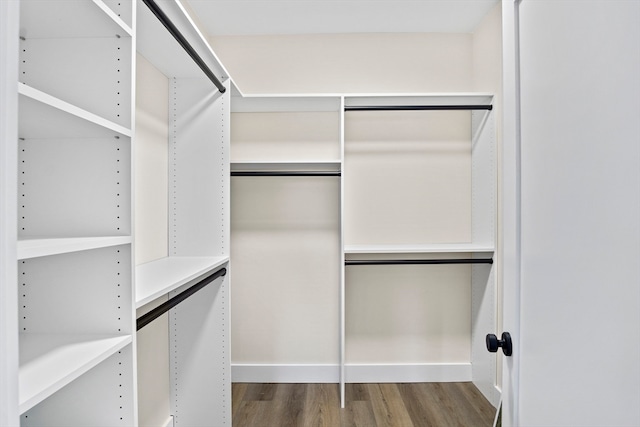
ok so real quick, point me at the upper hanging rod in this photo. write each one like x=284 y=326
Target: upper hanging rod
x=151 y=4
x=285 y=173
x=419 y=261
x=416 y=107
x=149 y=317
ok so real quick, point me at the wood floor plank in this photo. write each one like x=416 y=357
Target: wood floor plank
x=367 y=405
x=250 y=413
x=237 y=394
x=289 y=401
x=388 y=406
x=418 y=405
x=358 y=413
x=427 y=407
x=447 y=407
x=356 y=392
x=484 y=409
x=322 y=406
x=259 y=391
x=465 y=412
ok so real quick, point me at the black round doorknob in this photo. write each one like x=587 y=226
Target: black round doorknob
x=493 y=343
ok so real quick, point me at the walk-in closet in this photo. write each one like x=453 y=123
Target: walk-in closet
x=312 y=213
x=176 y=234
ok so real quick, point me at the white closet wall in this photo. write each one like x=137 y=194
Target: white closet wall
x=348 y=63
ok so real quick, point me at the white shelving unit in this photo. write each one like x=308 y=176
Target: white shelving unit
x=286 y=161
x=73 y=204
x=425 y=194
x=197 y=224
x=411 y=189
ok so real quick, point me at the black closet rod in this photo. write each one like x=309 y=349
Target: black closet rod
x=283 y=173
x=149 y=317
x=419 y=261
x=416 y=107
x=151 y=4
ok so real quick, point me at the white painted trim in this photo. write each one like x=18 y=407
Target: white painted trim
x=408 y=373
x=498 y=410
x=9 y=361
x=343 y=296
x=354 y=373
x=510 y=209
x=284 y=373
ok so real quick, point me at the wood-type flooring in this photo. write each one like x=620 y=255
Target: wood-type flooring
x=367 y=405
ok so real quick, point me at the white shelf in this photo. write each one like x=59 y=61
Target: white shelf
x=442 y=248
x=49 y=19
x=160 y=277
x=49 y=362
x=33 y=248
x=160 y=48
x=45 y=116
x=114 y=16
x=288 y=166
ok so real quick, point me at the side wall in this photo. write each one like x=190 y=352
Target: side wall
x=151 y=231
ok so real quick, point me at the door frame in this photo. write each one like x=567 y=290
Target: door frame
x=510 y=208
x=9 y=23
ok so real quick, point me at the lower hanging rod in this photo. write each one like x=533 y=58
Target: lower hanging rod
x=419 y=261
x=173 y=30
x=416 y=107
x=149 y=317
x=286 y=173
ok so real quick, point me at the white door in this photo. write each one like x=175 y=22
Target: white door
x=571 y=212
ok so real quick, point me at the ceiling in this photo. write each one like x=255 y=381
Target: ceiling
x=261 y=17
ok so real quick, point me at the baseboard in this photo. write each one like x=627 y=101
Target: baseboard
x=354 y=373
x=408 y=373
x=273 y=373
